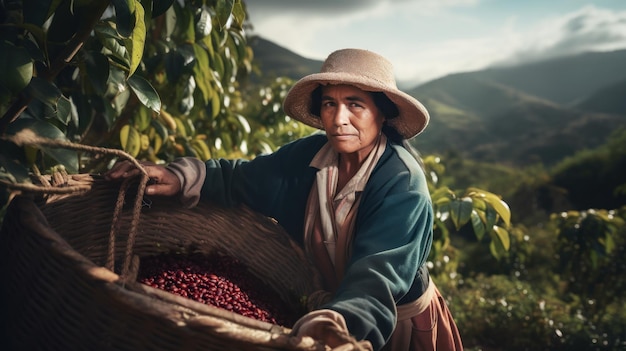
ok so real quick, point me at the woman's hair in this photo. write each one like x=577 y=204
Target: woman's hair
x=387 y=107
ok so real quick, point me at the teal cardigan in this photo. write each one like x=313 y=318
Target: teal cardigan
x=393 y=232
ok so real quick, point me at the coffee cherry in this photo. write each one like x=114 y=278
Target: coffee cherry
x=218 y=280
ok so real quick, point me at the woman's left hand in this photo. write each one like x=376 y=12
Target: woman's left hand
x=329 y=327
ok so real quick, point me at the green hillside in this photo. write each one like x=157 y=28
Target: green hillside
x=491 y=122
x=275 y=61
x=610 y=99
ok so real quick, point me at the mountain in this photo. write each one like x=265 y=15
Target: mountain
x=565 y=80
x=275 y=61
x=539 y=112
x=610 y=99
x=492 y=122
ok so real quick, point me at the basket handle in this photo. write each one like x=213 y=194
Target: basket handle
x=27 y=137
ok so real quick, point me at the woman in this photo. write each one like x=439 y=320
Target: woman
x=355 y=197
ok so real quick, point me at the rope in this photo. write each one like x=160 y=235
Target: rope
x=115 y=223
x=134 y=224
x=28 y=137
x=33 y=188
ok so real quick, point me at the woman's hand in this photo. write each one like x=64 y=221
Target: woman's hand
x=329 y=327
x=162 y=181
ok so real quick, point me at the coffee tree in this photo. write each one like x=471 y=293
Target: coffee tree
x=156 y=78
x=591 y=247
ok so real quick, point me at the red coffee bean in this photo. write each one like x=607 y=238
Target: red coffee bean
x=218 y=280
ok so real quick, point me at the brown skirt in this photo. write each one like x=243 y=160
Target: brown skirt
x=432 y=329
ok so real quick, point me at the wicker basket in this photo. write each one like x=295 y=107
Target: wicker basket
x=56 y=293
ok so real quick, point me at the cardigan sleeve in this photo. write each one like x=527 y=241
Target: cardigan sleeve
x=392 y=240
x=276 y=185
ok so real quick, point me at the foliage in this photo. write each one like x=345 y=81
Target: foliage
x=595 y=178
x=591 y=246
x=271 y=128
x=159 y=79
x=559 y=285
x=488 y=215
x=494 y=311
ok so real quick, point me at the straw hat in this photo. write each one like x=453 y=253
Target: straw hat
x=367 y=71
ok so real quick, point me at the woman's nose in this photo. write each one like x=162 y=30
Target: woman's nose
x=342 y=115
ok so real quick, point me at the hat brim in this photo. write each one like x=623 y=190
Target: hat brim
x=412 y=118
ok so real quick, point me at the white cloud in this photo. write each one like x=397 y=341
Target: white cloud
x=588 y=29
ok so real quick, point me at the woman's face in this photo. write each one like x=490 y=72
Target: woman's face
x=351 y=120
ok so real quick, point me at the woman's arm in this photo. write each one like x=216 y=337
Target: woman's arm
x=392 y=240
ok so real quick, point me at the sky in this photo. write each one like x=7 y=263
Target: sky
x=428 y=39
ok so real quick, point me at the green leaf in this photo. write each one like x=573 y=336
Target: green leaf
x=495 y=246
x=190 y=129
x=38 y=11
x=130 y=140
x=183 y=22
x=218 y=66
x=160 y=129
x=215 y=105
x=181 y=129
x=13 y=171
x=609 y=243
x=219 y=38
x=68 y=158
x=203 y=24
x=460 y=212
x=491 y=217
x=17 y=67
x=207 y=43
x=178 y=61
x=135 y=44
x=495 y=251
x=224 y=8
x=501 y=207
x=479 y=204
x=123 y=16
x=202 y=72
x=106 y=29
x=495 y=201
x=118 y=52
x=36 y=49
x=478 y=226
x=443 y=192
x=97 y=67
x=503 y=236
x=160 y=6
x=145 y=93
x=44 y=91
x=171 y=19
x=187 y=101
x=243 y=122
x=239 y=14
x=64 y=24
x=5 y=100
x=142 y=118
x=64 y=110
x=441 y=201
